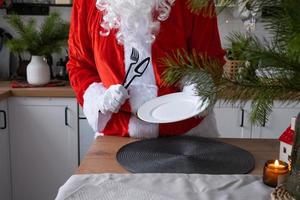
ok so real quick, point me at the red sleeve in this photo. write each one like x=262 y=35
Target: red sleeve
x=205 y=37
x=81 y=66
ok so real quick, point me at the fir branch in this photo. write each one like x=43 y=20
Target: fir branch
x=27 y=33
x=278 y=63
x=239 y=43
x=207 y=7
x=16 y=45
x=261 y=109
x=54 y=32
x=206 y=73
x=51 y=37
x=16 y=22
x=194 y=68
x=262 y=94
x=198 y=5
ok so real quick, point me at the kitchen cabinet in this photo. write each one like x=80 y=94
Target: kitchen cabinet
x=279 y=120
x=86 y=135
x=232 y=120
x=5 y=184
x=44 y=145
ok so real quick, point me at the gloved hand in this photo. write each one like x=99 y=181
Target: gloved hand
x=113 y=98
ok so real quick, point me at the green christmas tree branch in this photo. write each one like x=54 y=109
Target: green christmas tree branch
x=49 y=38
x=207 y=7
x=271 y=71
x=211 y=84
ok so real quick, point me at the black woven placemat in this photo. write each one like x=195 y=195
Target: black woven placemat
x=185 y=155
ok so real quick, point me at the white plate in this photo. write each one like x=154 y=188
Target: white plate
x=171 y=108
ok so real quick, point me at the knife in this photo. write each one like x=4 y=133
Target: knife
x=138 y=70
x=135 y=58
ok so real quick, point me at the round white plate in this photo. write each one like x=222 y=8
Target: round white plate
x=171 y=108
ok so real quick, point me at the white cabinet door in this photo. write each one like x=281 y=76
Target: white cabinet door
x=86 y=134
x=5 y=185
x=232 y=120
x=279 y=120
x=44 y=145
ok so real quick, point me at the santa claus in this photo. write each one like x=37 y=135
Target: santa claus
x=108 y=36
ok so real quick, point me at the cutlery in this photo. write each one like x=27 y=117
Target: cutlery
x=135 y=58
x=139 y=70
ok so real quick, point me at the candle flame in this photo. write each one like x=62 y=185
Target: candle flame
x=276 y=163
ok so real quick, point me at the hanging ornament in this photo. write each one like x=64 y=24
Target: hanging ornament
x=248 y=12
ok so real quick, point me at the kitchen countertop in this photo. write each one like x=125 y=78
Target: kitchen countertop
x=7 y=91
x=101 y=157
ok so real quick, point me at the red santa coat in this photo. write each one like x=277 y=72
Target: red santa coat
x=98 y=59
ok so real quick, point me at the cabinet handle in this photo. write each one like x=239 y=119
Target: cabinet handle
x=66 y=116
x=5 y=122
x=243 y=116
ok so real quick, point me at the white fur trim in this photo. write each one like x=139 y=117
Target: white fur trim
x=207 y=128
x=93 y=99
x=141 y=90
x=139 y=94
x=140 y=129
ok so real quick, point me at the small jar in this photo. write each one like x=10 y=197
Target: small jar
x=275 y=172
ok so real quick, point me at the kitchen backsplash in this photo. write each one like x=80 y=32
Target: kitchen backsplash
x=227 y=23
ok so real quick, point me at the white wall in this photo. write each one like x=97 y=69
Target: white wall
x=227 y=23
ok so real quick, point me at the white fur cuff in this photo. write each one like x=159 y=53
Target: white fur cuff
x=93 y=100
x=139 y=94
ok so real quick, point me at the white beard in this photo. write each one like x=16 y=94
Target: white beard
x=133 y=18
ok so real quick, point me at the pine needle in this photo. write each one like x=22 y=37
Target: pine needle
x=207 y=7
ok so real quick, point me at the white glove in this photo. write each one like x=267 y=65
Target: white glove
x=113 y=98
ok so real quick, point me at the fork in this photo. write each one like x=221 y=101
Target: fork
x=139 y=70
x=135 y=58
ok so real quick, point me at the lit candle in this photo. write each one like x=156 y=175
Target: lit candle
x=275 y=172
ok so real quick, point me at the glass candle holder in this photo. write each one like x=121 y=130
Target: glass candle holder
x=275 y=172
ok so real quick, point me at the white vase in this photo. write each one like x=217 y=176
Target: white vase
x=38 y=71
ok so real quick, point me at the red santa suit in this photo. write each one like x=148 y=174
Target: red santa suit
x=97 y=62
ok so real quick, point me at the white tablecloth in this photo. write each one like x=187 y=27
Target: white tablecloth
x=163 y=187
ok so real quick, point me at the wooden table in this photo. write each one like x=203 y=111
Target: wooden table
x=101 y=157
